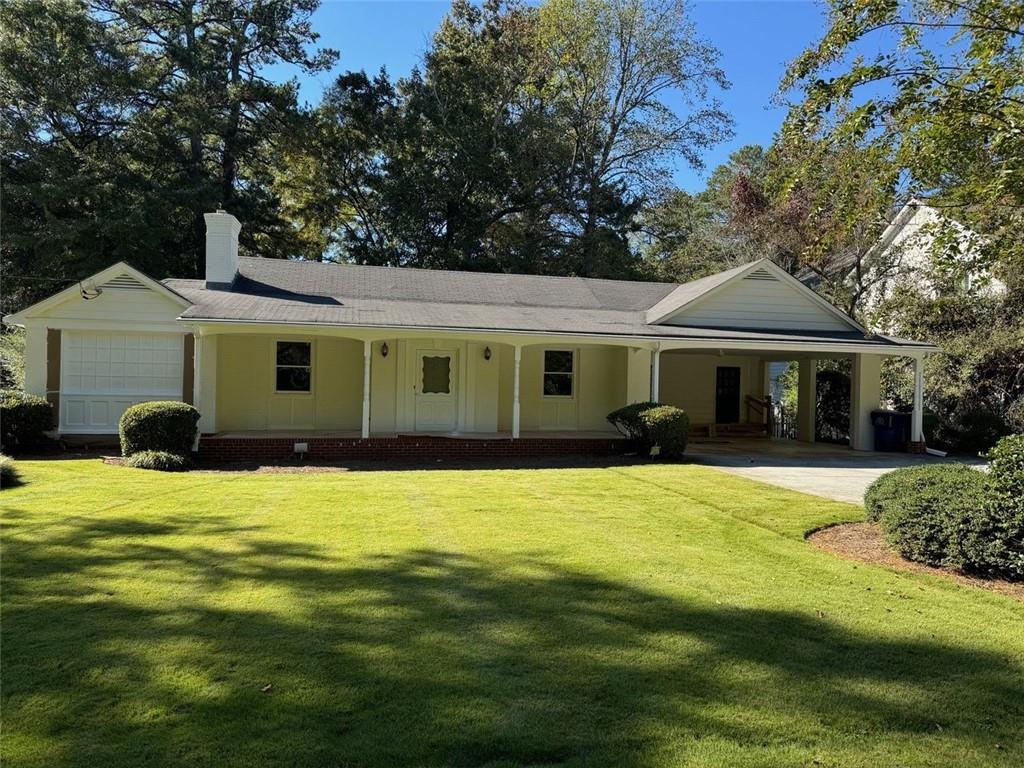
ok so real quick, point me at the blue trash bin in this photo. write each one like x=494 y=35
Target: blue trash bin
x=892 y=430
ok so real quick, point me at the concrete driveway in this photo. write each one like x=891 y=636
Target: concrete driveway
x=832 y=472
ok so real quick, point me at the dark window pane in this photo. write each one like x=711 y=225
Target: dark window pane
x=557 y=361
x=437 y=375
x=293 y=379
x=558 y=384
x=293 y=353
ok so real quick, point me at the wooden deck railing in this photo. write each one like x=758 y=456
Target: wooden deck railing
x=763 y=409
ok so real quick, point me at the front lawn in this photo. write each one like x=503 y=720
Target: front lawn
x=623 y=616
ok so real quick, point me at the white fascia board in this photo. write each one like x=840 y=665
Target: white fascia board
x=121 y=267
x=211 y=326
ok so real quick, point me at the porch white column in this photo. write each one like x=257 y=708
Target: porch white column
x=807 y=397
x=656 y=374
x=865 y=396
x=204 y=380
x=917 y=418
x=515 y=393
x=367 y=354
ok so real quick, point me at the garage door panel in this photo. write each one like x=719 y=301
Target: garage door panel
x=99 y=412
x=102 y=374
x=95 y=414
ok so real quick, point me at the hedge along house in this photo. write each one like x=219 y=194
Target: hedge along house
x=282 y=356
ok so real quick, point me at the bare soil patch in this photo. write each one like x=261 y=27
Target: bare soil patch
x=866 y=543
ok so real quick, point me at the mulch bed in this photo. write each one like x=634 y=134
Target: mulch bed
x=865 y=543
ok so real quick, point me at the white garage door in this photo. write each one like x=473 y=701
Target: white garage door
x=103 y=373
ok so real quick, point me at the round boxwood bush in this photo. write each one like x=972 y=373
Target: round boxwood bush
x=995 y=544
x=629 y=422
x=24 y=419
x=162 y=461
x=1006 y=466
x=881 y=493
x=928 y=512
x=955 y=516
x=9 y=476
x=158 y=426
x=668 y=428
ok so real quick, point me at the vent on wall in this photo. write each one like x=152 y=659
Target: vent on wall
x=761 y=274
x=124 y=283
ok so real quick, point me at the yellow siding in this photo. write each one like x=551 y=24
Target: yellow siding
x=245 y=386
x=482 y=386
x=505 y=355
x=638 y=383
x=600 y=386
x=606 y=378
x=383 y=373
x=688 y=381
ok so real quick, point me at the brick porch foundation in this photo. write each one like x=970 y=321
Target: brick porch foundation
x=213 y=449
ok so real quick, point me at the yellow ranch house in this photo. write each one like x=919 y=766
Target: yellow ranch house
x=281 y=356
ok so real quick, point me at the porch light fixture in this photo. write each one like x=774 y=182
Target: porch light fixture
x=384 y=349
x=487 y=353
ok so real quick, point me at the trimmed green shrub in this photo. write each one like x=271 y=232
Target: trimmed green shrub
x=955 y=516
x=931 y=510
x=668 y=428
x=629 y=422
x=881 y=493
x=158 y=426
x=9 y=476
x=24 y=419
x=995 y=545
x=162 y=461
x=1006 y=466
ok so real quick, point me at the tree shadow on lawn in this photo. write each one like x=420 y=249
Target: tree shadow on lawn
x=432 y=658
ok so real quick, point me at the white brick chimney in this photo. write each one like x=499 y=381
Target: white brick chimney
x=221 y=249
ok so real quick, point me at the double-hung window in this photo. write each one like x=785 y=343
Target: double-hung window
x=294 y=366
x=559 y=374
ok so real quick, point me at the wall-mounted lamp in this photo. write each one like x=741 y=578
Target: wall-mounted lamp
x=487 y=353
x=384 y=349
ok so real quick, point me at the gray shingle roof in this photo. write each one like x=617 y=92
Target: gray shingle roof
x=279 y=291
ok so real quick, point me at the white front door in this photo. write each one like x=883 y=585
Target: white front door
x=435 y=390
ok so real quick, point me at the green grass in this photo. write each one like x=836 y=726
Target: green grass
x=625 y=616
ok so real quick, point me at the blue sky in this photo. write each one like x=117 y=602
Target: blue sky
x=756 y=37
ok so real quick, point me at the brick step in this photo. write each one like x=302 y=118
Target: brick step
x=733 y=430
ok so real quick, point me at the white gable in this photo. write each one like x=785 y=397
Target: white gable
x=762 y=298
x=121 y=298
x=118 y=294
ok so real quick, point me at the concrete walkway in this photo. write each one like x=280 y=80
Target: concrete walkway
x=830 y=471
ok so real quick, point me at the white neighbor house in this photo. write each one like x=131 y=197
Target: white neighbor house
x=902 y=257
x=273 y=350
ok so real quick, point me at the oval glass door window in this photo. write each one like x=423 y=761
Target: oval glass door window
x=437 y=375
